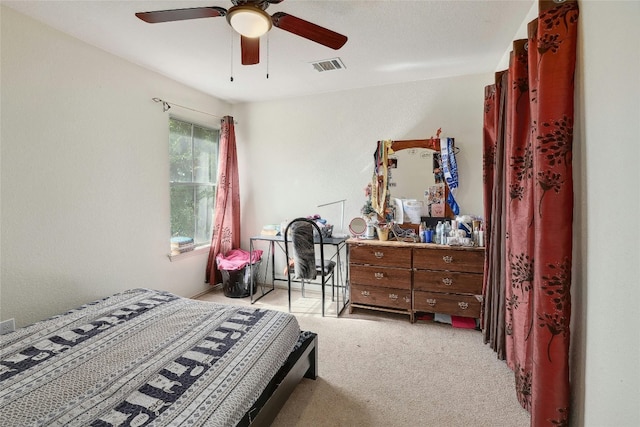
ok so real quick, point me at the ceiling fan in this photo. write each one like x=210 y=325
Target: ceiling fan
x=249 y=19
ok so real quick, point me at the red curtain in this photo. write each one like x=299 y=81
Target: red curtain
x=226 y=221
x=529 y=215
x=493 y=286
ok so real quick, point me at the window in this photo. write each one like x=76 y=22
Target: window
x=193 y=153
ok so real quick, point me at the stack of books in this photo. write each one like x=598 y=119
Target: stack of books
x=269 y=230
x=181 y=244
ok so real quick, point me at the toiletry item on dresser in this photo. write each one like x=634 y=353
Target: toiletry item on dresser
x=446 y=232
x=428 y=235
x=439 y=233
x=477 y=234
x=474 y=231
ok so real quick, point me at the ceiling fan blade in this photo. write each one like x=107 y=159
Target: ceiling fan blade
x=181 y=14
x=308 y=30
x=250 y=48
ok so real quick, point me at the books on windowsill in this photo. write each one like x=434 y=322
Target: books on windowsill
x=178 y=251
x=181 y=244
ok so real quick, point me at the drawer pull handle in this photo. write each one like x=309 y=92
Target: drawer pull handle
x=393 y=297
x=431 y=301
x=463 y=305
x=379 y=276
x=448 y=259
x=447 y=281
x=378 y=254
x=407 y=299
x=365 y=293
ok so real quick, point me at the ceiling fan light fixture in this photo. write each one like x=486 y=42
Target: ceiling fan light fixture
x=249 y=21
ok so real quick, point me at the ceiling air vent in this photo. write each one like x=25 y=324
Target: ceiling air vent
x=328 y=65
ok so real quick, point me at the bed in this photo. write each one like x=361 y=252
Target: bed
x=146 y=357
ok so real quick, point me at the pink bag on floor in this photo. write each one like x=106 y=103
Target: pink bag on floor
x=237 y=259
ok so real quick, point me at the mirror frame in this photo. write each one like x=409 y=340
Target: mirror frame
x=431 y=144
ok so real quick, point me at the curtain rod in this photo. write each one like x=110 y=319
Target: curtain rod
x=166 y=105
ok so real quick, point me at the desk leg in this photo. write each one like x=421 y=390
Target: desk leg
x=343 y=282
x=270 y=256
x=272 y=250
x=337 y=297
x=251 y=267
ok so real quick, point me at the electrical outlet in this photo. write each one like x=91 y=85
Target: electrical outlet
x=7 y=326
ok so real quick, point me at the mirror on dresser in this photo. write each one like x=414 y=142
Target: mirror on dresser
x=411 y=171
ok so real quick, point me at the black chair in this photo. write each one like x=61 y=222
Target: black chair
x=306 y=267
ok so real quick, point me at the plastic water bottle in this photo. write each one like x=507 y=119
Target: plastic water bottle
x=439 y=228
x=446 y=231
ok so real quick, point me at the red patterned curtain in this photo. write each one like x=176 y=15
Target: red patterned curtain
x=226 y=221
x=528 y=138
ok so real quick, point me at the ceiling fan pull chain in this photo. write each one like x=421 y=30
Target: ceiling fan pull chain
x=267 y=55
x=231 y=62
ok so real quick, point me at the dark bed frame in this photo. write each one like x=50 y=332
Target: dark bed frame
x=302 y=363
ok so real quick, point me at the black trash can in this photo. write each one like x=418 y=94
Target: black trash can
x=237 y=283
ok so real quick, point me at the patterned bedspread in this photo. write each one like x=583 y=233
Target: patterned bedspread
x=142 y=357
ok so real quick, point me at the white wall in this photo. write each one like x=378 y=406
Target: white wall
x=298 y=153
x=606 y=334
x=521 y=33
x=85 y=194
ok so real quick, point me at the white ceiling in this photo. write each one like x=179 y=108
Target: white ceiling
x=390 y=41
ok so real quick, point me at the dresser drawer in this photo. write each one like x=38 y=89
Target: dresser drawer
x=382 y=297
x=373 y=275
x=457 y=305
x=447 y=281
x=471 y=261
x=380 y=255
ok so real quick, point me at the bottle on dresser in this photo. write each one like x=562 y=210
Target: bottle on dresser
x=439 y=233
x=446 y=230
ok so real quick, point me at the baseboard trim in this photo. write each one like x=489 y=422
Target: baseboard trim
x=211 y=288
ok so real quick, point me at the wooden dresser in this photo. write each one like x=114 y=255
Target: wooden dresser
x=410 y=278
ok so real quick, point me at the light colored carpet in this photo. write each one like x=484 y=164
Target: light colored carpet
x=377 y=369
